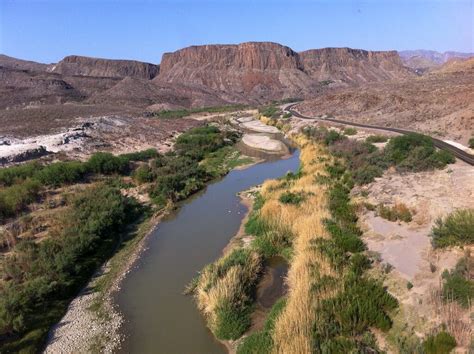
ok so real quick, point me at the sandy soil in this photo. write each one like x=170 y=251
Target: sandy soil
x=264 y=142
x=258 y=126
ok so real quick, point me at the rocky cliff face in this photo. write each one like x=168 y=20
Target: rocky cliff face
x=86 y=66
x=270 y=70
x=353 y=65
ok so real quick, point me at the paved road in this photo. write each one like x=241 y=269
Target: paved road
x=460 y=154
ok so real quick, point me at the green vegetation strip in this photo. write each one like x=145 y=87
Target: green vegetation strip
x=42 y=277
x=412 y=152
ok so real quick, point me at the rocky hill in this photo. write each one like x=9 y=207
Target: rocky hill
x=19 y=64
x=440 y=103
x=86 y=66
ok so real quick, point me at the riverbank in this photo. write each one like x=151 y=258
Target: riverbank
x=93 y=321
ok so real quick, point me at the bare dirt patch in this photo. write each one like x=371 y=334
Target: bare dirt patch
x=407 y=246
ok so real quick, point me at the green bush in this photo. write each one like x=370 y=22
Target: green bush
x=144 y=155
x=332 y=136
x=292 y=198
x=416 y=152
x=14 y=174
x=15 y=198
x=350 y=131
x=366 y=174
x=362 y=304
x=60 y=173
x=376 y=139
x=457 y=285
x=143 y=174
x=271 y=111
x=456 y=229
x=471 y=143
x=441 y=343
x=398 y=212
x=107 y=164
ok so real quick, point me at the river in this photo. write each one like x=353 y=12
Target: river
x=158 y=318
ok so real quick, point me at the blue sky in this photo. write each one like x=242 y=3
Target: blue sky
x=47 y=30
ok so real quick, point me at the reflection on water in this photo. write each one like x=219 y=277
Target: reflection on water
x=158 y=318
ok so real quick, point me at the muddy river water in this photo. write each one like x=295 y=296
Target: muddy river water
x=158 y=318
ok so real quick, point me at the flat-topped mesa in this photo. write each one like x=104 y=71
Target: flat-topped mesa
x=270 y=69
x=87 y=66
x=251 y=55
x=353 y=65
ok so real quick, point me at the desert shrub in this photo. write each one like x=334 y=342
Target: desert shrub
x=398 y=212
x=14 y=174
x=15 y=198
x=456 y=229
x=322 y=134
x=332 y=136
x=363 y=159
x=107 y=164
x=143 y=174
x=60 y=173
x=441 y=343
x=350 y=131
x=457 y=284
x=415 y=152
x=270 y=111
x=376 y=139
x=336 y=170
x=361 y=305
x=144 y=155
x=366 y=174
x=471 y=143
x=295 y=198
x=409 y=285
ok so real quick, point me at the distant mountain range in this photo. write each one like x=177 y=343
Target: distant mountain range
x=423 y=60
x=197 y=76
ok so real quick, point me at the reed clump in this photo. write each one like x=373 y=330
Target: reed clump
x=223 y=292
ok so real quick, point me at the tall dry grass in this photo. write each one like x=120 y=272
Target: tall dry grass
x=292 y=333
